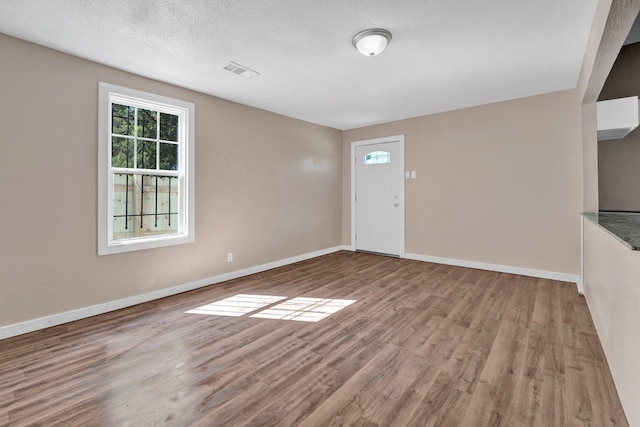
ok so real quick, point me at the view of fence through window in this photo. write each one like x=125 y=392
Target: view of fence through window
x=144 y=205
x=144 y=161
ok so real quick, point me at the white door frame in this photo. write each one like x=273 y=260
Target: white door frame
x=354 y=144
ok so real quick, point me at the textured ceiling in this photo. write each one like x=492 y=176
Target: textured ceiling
x=445 y=54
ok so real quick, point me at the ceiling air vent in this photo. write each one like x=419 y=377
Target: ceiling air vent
x=240 y=70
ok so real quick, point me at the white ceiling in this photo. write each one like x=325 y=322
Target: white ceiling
x=445 y=54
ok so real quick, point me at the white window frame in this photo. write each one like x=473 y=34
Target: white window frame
x=108 y=94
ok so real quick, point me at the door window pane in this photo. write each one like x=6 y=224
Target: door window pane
x=377 y=158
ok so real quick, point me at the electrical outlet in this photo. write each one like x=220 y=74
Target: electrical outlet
x=230 y=257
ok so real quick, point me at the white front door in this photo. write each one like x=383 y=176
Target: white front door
x=379 y=197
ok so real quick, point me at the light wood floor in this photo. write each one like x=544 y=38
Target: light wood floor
x=424 y=345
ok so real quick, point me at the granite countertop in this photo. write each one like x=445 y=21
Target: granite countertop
x=625 y=226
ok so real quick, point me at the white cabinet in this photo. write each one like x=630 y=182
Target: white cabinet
x=617 y=117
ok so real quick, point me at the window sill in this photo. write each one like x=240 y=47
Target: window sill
x=130 y=245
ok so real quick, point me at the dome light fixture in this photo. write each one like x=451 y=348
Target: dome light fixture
x=371 y=42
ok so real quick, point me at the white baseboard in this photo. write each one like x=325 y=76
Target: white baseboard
x=563 y=277
x=81 y=313
x=581 y=281
x=70 y=316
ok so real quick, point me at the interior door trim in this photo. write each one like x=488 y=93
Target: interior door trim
x=354 y=144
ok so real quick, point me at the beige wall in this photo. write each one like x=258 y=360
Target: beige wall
x=498 y=184
x=589 y=157
x=619 y=159
x=267 y=188
x=619 y=173
x=612 y=276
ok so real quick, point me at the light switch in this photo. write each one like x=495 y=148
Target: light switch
x=407 y=174
x=413 y=174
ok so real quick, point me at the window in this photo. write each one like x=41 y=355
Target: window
x=145 y=176
x=377 y=158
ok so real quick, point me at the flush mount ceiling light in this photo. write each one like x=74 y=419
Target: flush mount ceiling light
x=371 y=42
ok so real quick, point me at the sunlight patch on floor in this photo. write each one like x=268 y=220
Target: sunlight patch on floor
x=301 y=309
x=304 y=309
x=236 y=305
